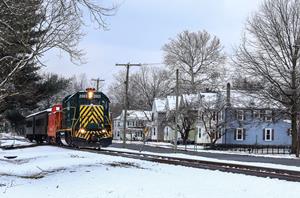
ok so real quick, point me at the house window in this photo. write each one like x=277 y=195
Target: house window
x=119 y=124
x=118 y=133
x=240 y=115
x=129 y=124
x=289 y=132
x=199 y=132
x=268 y=115
x=268 y=134
x=154 y=131
x=240 y=134
x=256 y=114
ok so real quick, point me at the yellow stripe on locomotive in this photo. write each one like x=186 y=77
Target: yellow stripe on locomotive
x=91 y=118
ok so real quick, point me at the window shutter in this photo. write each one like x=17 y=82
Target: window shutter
x=235 y=134
x=272 y=134
x=264 y=134
x=244 y=134
x=244 y=115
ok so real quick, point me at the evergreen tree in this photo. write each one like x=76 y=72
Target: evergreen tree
x=19 y=35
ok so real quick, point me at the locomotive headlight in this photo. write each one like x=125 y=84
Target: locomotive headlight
x=82 y=130
x=90 y=93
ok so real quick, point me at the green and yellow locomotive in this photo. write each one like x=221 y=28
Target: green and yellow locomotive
x=85 y=120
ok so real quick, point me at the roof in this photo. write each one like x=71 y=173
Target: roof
x=39 y=112
x=241 y=99
x=136 y=115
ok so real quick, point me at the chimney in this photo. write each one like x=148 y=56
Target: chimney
x=228 y=95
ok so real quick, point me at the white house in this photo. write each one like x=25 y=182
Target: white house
x=136 y=123
x=158 y=118
x=163 y=110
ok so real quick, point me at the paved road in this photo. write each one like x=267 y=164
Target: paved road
x=221 y=156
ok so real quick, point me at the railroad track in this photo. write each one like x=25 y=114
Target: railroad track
x=288 y=175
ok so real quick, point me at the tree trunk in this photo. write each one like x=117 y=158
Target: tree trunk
x=294 y=131
x=193 y=82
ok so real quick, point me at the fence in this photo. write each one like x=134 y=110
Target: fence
x=255 y=149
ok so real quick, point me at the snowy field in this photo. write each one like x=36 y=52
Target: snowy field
x=11 y=140
x=47 y=171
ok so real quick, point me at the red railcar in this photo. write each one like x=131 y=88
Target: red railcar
x=54 y=122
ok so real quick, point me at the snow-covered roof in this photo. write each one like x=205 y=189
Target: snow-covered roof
x=160 y=104
x=190 y=98
x=241 y=99
x=209 y=97
x=39 y=112
x=136 y=115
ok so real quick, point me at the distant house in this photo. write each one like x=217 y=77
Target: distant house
x=228 y=117
x=164 y=117
x=210 y=120
x=158 y=118
x=253 y=121
x=135 y=124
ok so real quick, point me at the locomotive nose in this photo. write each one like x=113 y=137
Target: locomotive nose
x=91 y=117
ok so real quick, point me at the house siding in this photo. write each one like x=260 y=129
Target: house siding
x=254 y=130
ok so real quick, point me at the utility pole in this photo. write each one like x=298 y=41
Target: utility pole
x=98 y=82
x=127 y=65
x=176 y=112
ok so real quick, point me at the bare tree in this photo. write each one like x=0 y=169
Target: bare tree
x=270 y=54
x=198 y=56
x=187 y=115
x=149 y=83
x=79 y=83
x=59 y=26
x=144 y=85
x=211 y=108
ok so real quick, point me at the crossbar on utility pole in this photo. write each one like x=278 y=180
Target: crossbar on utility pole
x=98 y=80
x=127 y=65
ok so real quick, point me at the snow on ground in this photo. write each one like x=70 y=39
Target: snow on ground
x=12 y=140
x=47 y=171
x=201 y=149
x=186 y=156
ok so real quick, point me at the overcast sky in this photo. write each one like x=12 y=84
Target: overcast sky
x=141 y=27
